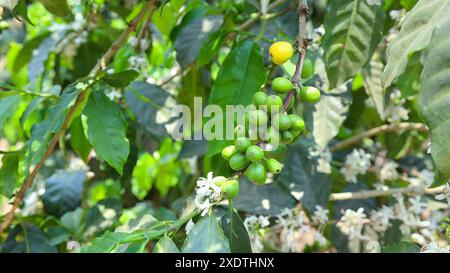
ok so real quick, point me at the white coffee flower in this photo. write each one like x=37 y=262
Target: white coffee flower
x=320 y=215
x=208 y=193
x=389 y=171
x=380 y=219
x=357 y=162
x=373 y=247
x=395 y=112
x=416 y=205
x=352 y=222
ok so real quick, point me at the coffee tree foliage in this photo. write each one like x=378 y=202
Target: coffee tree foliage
x=88 y=92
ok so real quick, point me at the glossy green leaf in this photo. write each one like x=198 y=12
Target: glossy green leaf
x=21 y=9
x=165 y=245
x=326 y=116
x=206 y=237
x=106 y=128
x=144 y=101
x=9 y=174
x=57 y=7
x=192 y=36
x=63 y=192
x=121 y=79
x=353 y=30
x=414 y=35
x=372 y=83
x=402 y=247
x=434 y=98
x=42 y=132
x=235 y=231
x=8 y=106
x=27 y=238
x=303 y=176
x=78 y=139
x=143 y=175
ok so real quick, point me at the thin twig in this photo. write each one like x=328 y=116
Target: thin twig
x=377 y=193
x=394 y=127
x=101 y=64
x=250 y=22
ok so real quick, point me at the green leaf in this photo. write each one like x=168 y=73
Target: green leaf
x=235 y=231
x=57 y=7
x=120 y=79
x=106 y=128
x=107 y=243
x=8 y=105
x=165 y=245
x=140 y=223
x=241 y=76
x=144 y=101
x=78 y=139
x=353 y=29
x=42 y=132
x=409 y=81
x=211 y=47
x=191 y=38
x=27 y=238
x=24 y=57
x=21 y=9
x=302 y=174
x=434 y=99
x=326 y=116
x=63 y=192
x=143 y=175
x=403 y=247
x=372 y=83
x=206 y=237
x=72 y=219
x=9 y=174
x=414 y=36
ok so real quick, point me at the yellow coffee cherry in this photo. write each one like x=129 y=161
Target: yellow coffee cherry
x=281 y=52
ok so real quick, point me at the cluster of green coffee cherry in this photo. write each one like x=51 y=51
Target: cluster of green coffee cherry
x=270 y=122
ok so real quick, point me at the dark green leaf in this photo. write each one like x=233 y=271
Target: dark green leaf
x=434 y=99
x=165 y=245
x=63 y=192
x=302 y=174
x=78 y=139
x=9 y=174
x=403 y=247
x=26 y=238
x=191 y=38
x=145 y=100
x=121 y=79
x=106 y=129
x=206 y=237
x=57 y=7
x=8 y=106
x=21 y=9
x=235 y=231
x=353 y=29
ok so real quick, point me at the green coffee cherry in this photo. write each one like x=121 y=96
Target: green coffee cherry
x=239 y=162
x=297 y=123
x=287 y=137
x=274 y=166
x=296 y=133
x=256 y=173
x=310 y=94
x=282 y=85
x=229 y=151
x=230 y=189
x=273 y=101
x=259 y=98
x=219 y=180
x=257 y=118
x=281 y=121
x=308 y=69
x=254 y=153
x=242 y=143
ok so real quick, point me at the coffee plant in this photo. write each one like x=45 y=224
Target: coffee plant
x=178 y=126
